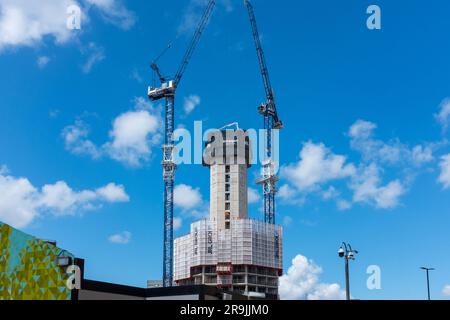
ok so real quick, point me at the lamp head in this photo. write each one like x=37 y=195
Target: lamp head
x=351 y=255
x=63 y=261
x=341 y=252
x=427 y=269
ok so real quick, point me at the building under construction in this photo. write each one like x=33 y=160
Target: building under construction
x=229 y=250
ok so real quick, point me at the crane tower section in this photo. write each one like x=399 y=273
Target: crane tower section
x=271 y=122
x=167 y=91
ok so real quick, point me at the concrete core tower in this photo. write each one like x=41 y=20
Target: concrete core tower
x=228 y=161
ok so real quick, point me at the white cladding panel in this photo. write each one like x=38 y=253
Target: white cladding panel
x=248 y=242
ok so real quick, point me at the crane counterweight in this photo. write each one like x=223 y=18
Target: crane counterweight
x=167 y=88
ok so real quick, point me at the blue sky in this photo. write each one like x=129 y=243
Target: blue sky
x=363 y=149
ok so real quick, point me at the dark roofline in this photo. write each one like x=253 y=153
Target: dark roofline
x=106 y=287
x=200 y=290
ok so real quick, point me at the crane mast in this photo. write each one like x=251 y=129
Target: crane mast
x=271 y=122
x=167 y=91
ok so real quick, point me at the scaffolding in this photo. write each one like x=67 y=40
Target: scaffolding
x=247 y=242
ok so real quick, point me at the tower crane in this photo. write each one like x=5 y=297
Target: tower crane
x=271 y=122
x=167 y=91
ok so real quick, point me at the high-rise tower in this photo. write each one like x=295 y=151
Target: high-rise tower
x=228 y=249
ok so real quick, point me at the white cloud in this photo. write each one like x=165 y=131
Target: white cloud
x=201 y=212
x=446 y=291
x=21 y=202
x=375 y=155
x=392 y=152
x=4 y=170
x=54 y=113
x=141 y=103
x=253 y=196
x=330 y=193
x=285 y=192
x=114 y=12
x=186 y=197
x=132 y=136
x=343 y=205
x=191 y=17
x=302 y=283
x=388 y=196
x=18 y=201
x=95 y=54
x=290 y=196
x=177 y=223
x=136 y=76
x=42 y=61
x=63 y=200
x=120 y=238
x=228 y=5
x=444 y=177
x=113 y=193
x=75 y=140
x=422 y=154
x=29 y=22
x=443 y=117
x=194 y=12
x=287 y=221
x=189 y=201
x=362 y=129
x=190 y=103
x=317 y=165
x=366 y=187
x=361 y=134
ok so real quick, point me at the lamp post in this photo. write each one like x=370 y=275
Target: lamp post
x=428 y=279
x=346 y=252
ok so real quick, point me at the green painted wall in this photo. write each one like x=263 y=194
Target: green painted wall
x=28 y=270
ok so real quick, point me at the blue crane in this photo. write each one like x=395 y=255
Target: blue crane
x=271 y=121
x=167 y=91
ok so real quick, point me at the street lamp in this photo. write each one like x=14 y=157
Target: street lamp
x=428 y=279
x=346 y=252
